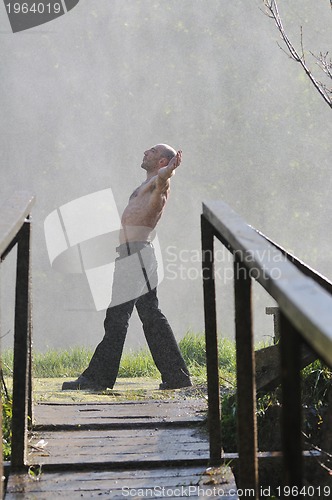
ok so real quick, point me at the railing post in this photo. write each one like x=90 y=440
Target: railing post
x=22 y=348
x=1 y=449
x=211 y=341
x=246 y=387
x=291 y=420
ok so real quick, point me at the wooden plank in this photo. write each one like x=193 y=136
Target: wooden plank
x=147 y=412
x=135 y=437
x=304 y=302
x=86 y=462
x=194 y=482
x=268 y=371
x=114 y=446
x=13 y=213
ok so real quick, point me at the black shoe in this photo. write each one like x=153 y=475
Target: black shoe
x=82 y=383
x=164 y=386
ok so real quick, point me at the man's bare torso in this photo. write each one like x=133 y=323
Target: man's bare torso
x=144 y=209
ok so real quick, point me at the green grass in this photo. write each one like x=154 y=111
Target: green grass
x=71 y=362
x=316 y=382
x=6 y=425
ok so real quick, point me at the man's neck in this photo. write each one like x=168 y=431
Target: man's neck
x=151 y=174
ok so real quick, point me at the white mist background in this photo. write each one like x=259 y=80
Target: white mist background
x=83 y=96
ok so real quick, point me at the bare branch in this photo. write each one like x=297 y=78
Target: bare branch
x=323 y=62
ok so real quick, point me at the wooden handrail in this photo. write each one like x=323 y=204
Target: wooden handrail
x=15 y=224
x=305 y=304
x=13 y=214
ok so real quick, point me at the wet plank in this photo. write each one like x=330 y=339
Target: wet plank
x=118 y=445
x=194 y=482
x=131 y=412
x=138 y=449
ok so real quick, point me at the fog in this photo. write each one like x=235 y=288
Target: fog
x=82 y=97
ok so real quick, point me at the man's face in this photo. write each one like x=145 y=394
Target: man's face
x=151 y=158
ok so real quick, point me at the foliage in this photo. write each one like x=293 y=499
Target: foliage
x=316 y=382
x=6 y=423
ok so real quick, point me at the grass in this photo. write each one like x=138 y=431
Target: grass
x=6 y=425
x=316 y=382
x=71 y=362
x=57 y=364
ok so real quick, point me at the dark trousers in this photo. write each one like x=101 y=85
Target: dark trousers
x=137 y=280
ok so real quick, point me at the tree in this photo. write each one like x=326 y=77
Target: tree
x=323 y=60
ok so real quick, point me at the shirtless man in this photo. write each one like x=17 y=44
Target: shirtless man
x=147 y=202
x=135 y=284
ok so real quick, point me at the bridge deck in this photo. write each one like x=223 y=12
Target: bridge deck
x=149 y=449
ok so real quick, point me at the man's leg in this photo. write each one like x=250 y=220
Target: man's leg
x=162 y=343
x=128 y=281
x=104 y=365
x=105 y=362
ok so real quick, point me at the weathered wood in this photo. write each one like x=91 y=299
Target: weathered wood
x=118 y=445
x=305 y=316
x=268 y=370
x=304 y=302
x=136 y=431
x=274 y=311
x=14 y=228
x=291 y=416
x=168 y=482
x=211 y=342
x=118 y=414
x=22 y=348
x=246 y=384
x=13 y=213
x=78 y=462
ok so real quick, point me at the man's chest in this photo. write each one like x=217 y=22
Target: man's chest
x=144 y=191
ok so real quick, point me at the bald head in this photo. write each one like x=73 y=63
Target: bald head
x=156 y=157
x=166 y=151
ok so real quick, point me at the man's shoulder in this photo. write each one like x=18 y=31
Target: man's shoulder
x=151 y=184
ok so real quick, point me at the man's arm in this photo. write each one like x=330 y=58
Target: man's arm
x=166 y=173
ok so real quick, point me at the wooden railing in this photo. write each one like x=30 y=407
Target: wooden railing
x=305 y=308
x=305 y=318
x=15 y=224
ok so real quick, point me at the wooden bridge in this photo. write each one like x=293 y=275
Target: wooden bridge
x=159 y=448
x=143 y=448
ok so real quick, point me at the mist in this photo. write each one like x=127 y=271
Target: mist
x=83 y=96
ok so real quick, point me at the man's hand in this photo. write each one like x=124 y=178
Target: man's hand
x=165 y=173
x=176 y=160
